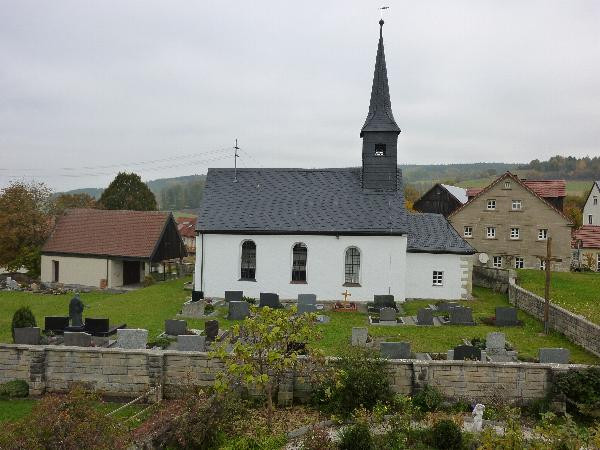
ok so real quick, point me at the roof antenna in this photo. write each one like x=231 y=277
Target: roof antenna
x=235 y=157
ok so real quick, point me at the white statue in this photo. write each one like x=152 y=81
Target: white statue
x=478 y=417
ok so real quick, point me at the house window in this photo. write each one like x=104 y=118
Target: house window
x=542 y=234
x=542 y=265
x=352 y=265
x=299 y=256
x=507 y=185
x=517 y=205
x=497 y=262
x=248 y=266
x=519 y=262
x=590 y=220
x=55 y=270
x=491 y=204
x=379 y=149
x=438 y=278
x=598 y=263
x=515 y=233
x=468 y=232
x=595 y=201
x=490 y=232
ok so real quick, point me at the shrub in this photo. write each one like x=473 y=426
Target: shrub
x=446 y=435
x=148 y=280
x=250 y=300
x=256 y=443
x=209 y=309
x=581 y=386
x=356 y=437
x=14 y=389
x=23 y=317
x=162 y=342
x=428 y=399
x=317 y=438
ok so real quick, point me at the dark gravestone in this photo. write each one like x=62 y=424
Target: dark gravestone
x=424 y=316
x=307 y=299
x=76 y=311
x=96 y=327
x=463 y=352
x=196 y=295
x=238 y=310
x=306 y=308
x=447 y=306
x=28 y=335
x=174 y=327
x=395 y=350
x=384 y=301
x=387 y=315
x=554 y=355
x=461 y=316
x=211 y=329
x=506 y=316
x=75 y=339
x=270 y=300
x=234 y=296
x=55 y=324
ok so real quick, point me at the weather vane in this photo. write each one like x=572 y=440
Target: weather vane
x=381 y=11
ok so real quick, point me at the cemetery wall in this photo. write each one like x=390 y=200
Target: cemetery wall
x=129 y=373
x=488 y=277
x=577 y=328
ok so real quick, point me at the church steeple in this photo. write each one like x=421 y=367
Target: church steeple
x=380 y=131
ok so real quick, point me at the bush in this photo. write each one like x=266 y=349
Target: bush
x=14 y=389
x=428 y=399
x=209 y=309
x=250 y=300
x=356 y=437
x=582 y=387
x=446 y=435
x=162 y=342
x=361 y=381
x=23 y=317
x=148 y=280
x=317 y=438
x=255 y=443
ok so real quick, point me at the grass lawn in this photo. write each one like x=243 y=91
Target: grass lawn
x=578 y=292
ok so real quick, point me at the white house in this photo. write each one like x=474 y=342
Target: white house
x=591 y=210
x=322 y=231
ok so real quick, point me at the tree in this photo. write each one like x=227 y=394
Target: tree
x=66 y=201
x=25 y=223
x=128 y=191
x=411 y=195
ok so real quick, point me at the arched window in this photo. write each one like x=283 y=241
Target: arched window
x=299 y=256
x=248 y=266
x=352 y=265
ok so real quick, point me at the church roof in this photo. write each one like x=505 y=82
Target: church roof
x=432 y=233
x=380 y=116
x=293 y=201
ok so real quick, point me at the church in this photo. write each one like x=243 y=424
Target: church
x=325 y=231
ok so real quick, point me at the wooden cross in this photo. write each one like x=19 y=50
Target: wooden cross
x=548 y=259
x=346 y=294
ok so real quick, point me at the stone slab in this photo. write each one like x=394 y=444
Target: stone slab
x=387 y=314
x=28 y=335
x=424 y=316
x=191 y=342
x=395 y=350
x=234 y=296
x=211 y=329
x=447 y=306
x=506 y=316
x=175 y=327
x=554 y=355
x=461 y=315
x=307 y=308
x=467 y=352
x=56 y=323
x=307 y=299
x=495 y=341
x=77 y=339
x=359 y=336
x=269 y=299
x=238 y=310
x=382 y=301
x=132 y=338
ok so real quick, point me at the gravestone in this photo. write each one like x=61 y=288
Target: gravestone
x=461 y=316
x=234 y=296
x=270 y=300
x=383 y=301
x=506 y=316
x=211 y=329
x=495 y=341
x=55 y=323
x=395 y=350
x=554 y=355
x=191 y=343
x=238 y=310
x=28 y=335
x=447 y=306
x=132 y=338
x=424 y=316
x=359 y=336
x=306 y=308
x=463 y=352
x=77 y=339
x=12 y=284
x=174 y=327
x=387 y=315
x=96 y=327
x=76 y=307
x=307 y=299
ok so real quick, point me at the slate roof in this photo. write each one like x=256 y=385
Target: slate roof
x=589 y=235
x=292 y=201
x=133 y=234
x=432 y=233
x=459 y=193
x=543 y=188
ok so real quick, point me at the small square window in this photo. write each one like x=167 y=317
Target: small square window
x=542 y=234
x=519 y=262
x=497 y=262
x=491 y=204
x=517 y=204
x=490 y=232
x=468 y=232
x=379 y=149
x=515 y=233
x=542 y=265
x=507 y=185
x=438 y=278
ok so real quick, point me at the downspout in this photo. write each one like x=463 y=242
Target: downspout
x=107 y=281
x=202 y=267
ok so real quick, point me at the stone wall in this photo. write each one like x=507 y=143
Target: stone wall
x=577 y=328
x=495 y=279
x=129 y=373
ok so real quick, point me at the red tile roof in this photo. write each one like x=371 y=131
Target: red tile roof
x=543 y=188
x=107 y=232
x=187 y=226
x=589 y=235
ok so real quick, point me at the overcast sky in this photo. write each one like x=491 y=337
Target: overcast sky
x=88 y=88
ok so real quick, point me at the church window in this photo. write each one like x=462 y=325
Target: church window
x=248 y=266
x=352 y=265
x=438 y=278
x=379 y=149
x=299 y=256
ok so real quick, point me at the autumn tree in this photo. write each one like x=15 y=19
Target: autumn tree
x=128 y=191
x=411 y=195
x=66 y=201
x=25 y=223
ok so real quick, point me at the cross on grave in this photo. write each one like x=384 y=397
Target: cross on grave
x=346 y=294
x=547 y=260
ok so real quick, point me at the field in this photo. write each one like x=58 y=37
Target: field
x=577 y=292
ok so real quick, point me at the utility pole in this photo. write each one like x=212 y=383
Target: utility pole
x=548 y=260
x=235 y=157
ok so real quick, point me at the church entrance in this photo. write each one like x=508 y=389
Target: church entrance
x=131 y=272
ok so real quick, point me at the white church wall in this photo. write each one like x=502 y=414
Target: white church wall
x=419 y=276
x=382 y=267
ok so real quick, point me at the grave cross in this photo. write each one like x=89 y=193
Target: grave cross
x=547 y=260
x=346 y=294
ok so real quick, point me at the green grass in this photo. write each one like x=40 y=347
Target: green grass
x=13 y=410
x=578 y=292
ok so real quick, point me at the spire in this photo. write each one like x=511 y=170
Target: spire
x=380 y=117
